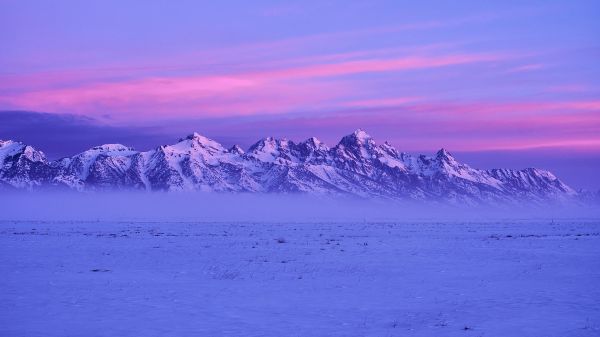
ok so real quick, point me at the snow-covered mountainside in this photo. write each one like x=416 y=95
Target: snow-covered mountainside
x=356 y=166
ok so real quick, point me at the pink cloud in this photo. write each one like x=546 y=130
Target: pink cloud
x=379 y=65
x=69 y=78
x=381 y=102
x=195 y=95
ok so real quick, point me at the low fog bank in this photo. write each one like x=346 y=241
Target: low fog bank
x=213 y=207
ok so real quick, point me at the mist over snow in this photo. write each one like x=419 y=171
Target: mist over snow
x=261 y=208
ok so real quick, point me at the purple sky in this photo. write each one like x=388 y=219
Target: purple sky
x=509 y=83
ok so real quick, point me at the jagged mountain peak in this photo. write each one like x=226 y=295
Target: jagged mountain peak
x=361 y=134
x=443 y=153
x=357 y=165
x=33 y=154
x=236 y=149
x=269 y=144
x=389 y=148
x=111 y=148
x=444 y=163
x=7 y=146
x=356 y=146
x=195 y=143
x=6 y=142
x=357 y=139
x=445 y=158
x=10 y=148
x=197 y=138
x=540 y=172
x=270 y=149
x=314 y=143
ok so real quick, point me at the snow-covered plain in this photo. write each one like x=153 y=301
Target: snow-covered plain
x=305 y=278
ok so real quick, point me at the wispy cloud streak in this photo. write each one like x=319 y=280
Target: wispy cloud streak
x=233 y=94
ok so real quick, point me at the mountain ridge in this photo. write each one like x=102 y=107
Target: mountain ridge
x=356 y=165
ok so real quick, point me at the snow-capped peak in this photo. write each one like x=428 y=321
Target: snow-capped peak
x=361 y=135
x=540 y=173
x=33 y=154
x=388 y=148
x=358 y=138
x=5 y=142
x=314 y=141
x=357 y=165
x=446 y=160
x=444 y=154
x=268 y=149
x=315 y=144
x=11 y=148
x=267 y=144
x=196 y=142
x=200 y=139
x=236 y=149
x=357 y=146
x=111 y=148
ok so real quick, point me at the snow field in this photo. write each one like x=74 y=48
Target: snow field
x=517 y=278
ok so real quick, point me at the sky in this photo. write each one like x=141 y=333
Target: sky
x=500 y=84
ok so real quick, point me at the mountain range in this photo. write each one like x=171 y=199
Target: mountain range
x=355 y=166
